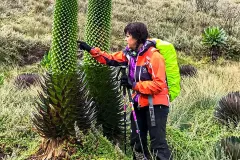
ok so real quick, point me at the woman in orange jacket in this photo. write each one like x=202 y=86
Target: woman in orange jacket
x=147 y=79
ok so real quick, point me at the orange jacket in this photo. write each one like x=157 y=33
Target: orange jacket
x=150 y=78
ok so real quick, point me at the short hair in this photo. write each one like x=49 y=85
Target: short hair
x=137 y=30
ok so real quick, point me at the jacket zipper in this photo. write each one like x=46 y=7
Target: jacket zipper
x=139 y=77
x=135 y=77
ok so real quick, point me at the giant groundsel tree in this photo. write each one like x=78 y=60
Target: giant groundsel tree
x=100 y=78
x=214 y=38
x=63 y=102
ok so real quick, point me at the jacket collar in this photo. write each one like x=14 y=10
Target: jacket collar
x=143 y=49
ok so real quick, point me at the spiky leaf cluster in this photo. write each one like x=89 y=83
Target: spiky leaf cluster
x=231 y=147
x=64 y=35
x=63 y=103
x=228 y=109
x=26 y=80
x=188 y=70
x=102 y=85
x=214 y=36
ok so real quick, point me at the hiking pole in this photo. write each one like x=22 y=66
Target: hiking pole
x=133 y=111
x=123 y=70
x=135 y=120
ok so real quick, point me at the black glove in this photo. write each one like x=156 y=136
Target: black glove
x=126 y=82
x=84 y=46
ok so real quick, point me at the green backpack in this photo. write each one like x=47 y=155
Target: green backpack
x=167 y=50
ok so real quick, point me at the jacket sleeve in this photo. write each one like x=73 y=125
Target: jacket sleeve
x=156 y=68
x=114 y=59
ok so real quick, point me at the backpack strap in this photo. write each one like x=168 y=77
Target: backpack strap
x=151 y=111
x=126 y=53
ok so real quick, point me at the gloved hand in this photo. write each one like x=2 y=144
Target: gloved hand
x=126 y=82
x=84 y=46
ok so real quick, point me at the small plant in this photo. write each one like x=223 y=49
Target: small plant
x=1 y=79
x=45 y=62
x=188 y=70
x=26 y=80
x=214 y=38
x=228 y=110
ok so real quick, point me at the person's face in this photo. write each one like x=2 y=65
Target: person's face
x=131 y=42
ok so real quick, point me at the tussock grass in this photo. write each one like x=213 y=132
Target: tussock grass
x=15 y=125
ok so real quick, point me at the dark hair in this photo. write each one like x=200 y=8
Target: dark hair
x=138 y=30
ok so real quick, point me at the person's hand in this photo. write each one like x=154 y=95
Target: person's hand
x=84 y=46
x=125 y=82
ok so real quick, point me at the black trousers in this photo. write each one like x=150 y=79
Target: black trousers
x=158 y=146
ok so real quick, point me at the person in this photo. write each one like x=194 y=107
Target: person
x=146 y=76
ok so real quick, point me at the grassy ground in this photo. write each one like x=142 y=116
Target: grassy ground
x=25 y=33
x=192 y=131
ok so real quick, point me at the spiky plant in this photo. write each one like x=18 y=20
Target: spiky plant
x=230 y=147
x=100 y=78
x=26 y=80
x=214 y=38
x=227 y=111
x=188 y=70
x=63 y=102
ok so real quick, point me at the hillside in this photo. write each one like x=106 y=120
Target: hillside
x=26 y=25
x=193 y=132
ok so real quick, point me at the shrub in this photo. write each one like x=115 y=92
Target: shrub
x=228 y=110
x=96 y=146
x=230 y=17
x=20 y=51
x=231 y=50
x=141 y=2
x=206 y=6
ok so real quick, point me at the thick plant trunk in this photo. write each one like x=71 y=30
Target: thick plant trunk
x=54 y=149
x=214 y=53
